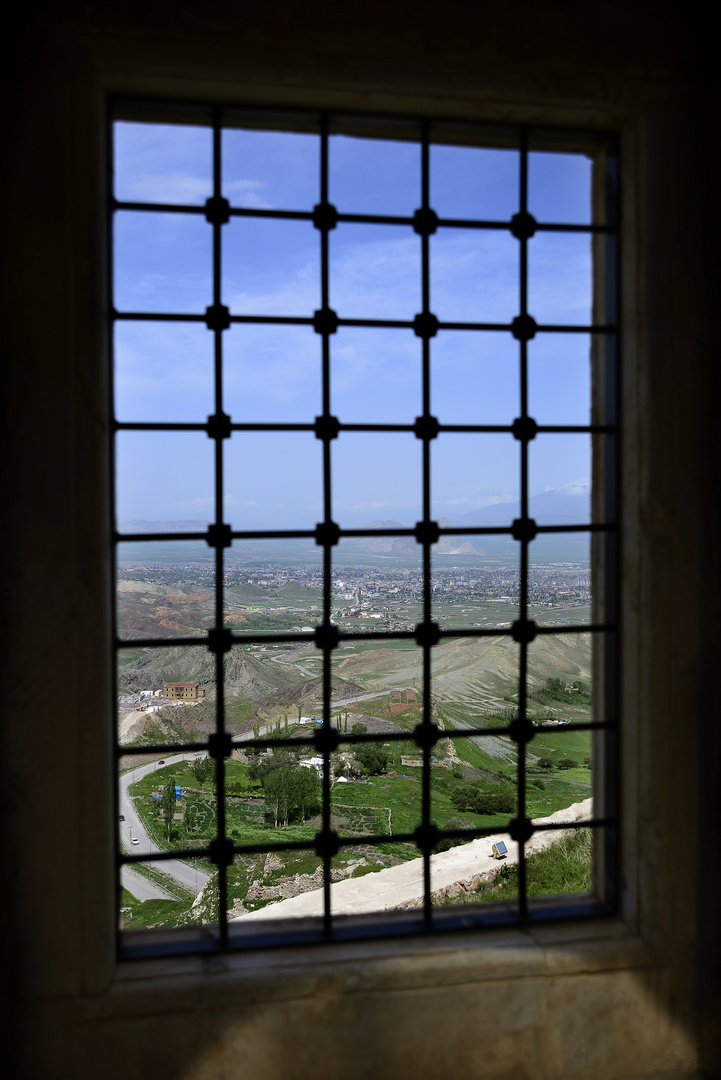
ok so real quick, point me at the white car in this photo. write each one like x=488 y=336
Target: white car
x=134 y=840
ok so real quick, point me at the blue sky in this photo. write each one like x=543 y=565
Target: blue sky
x=164 y=370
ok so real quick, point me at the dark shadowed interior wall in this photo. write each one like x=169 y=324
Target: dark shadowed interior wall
x=636 y=996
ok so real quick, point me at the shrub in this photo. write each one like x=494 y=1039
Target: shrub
x=372 y=758
x=539 y=784
x=463 y=796
x=545 y=763
x=359 y=729
x=567 y=763
x=446 y=845
x=503 y=803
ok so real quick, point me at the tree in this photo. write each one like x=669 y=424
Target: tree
x=167 y=804
x=567 y=763
x=277 y=790
x=358 y=729
x=289 y=791
x=463 y=796
x=307 y=792
x=545 y=763
x=372 y=758
x=203 y=769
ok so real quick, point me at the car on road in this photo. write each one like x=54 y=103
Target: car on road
x=134 y=840
x=162 y=762
x=122 y=817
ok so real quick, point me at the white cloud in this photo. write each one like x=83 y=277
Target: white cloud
x=186 y=189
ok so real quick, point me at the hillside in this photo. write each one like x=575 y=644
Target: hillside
x=312 y=691
x=473 y=670
x=246 y=675
x=149 y=610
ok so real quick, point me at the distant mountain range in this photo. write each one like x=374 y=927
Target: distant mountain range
x=406 y=545
x=567 y=505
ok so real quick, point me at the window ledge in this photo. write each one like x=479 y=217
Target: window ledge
x=416 y=963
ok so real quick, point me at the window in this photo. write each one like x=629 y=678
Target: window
x=217 y=255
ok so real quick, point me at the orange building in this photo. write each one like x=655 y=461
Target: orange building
x=183 y=691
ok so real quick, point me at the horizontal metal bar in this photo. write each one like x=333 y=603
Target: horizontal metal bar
x=156 y=316
x=381 y=324
x=576 y=429
x=472 y=733
x=164 y=856
x=134 y=425
x=597 y=725
x=476 y=429
x=566 y=328
x=273 y=320
x=357 y=533
x=264 y=212
x=592 y=526
x=476 y=530
x=272 y=427
x=275 y=534
x=377 y=427
x=159 y=643
x=141 y=538
x=472 y=631
x=346 y=738
x=557 y=226
x=160 y=208
x=159 y=748
x=309 y=534
x=267 y=639
x=363 y=219
x=481 y=429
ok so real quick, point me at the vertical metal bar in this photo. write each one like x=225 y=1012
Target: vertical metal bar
x=427 y=612
x=112 y=436
x=523 y=583
x=612 y=540
x=219 y=550
x=327 y=518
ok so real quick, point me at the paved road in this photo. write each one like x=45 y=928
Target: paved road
x=141 y=887
x=185 y=873
x=293 y=663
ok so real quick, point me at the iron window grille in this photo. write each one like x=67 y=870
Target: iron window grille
x=602 y=530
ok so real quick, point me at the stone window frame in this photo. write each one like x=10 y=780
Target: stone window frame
x=606 y=599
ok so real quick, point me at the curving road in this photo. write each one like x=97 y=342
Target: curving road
x=185 y=873
x=140 y=887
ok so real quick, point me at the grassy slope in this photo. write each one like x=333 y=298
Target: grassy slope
x=563 y=868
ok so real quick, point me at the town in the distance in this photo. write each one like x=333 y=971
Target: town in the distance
x=167 y=695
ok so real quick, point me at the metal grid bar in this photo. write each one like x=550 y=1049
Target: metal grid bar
x=382 y=324
x=358 y=219
x=425 y=222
